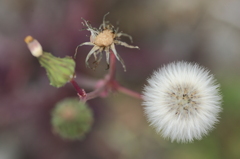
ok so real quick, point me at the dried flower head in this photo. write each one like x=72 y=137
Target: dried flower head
x=182 y=101
x=104 y=39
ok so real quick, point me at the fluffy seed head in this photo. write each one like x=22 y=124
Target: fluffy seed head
x=182 y=101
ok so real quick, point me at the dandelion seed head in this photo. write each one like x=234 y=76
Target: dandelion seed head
x=182 y=101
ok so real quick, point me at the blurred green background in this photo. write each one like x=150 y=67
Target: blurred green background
x=203 y=31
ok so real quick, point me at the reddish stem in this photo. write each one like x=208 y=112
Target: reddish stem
x=112 y=70
x=108 y=84
x=81 y=92
x=105 y=83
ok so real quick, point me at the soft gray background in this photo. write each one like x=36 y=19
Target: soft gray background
x=203 y=31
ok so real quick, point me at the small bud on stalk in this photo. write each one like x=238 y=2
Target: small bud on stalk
x=71 y=119
x=59 y=70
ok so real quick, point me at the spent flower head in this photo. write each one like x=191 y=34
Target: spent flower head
x=182 y=101
x=104 y=39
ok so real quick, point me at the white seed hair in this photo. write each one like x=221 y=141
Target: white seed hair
x=182 y=101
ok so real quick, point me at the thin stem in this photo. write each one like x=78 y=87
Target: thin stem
x=112 y=68
x=129 y=92
x=94 y=93
x=81 y=92
x=105 y=83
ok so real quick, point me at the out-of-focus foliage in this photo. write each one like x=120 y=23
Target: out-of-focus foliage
x=203 y=31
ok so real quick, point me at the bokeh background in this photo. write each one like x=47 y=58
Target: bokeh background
x=203 y=31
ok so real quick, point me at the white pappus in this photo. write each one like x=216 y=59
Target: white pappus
x=182 y=101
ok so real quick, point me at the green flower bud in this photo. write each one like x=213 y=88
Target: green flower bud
x=59 y=70
x=71 y=119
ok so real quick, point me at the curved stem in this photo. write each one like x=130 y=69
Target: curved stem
x=95 y=93
x=106 y=85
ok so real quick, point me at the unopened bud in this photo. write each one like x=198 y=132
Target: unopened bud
x=34 y=46
x=71 y=119
x=59 y=70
